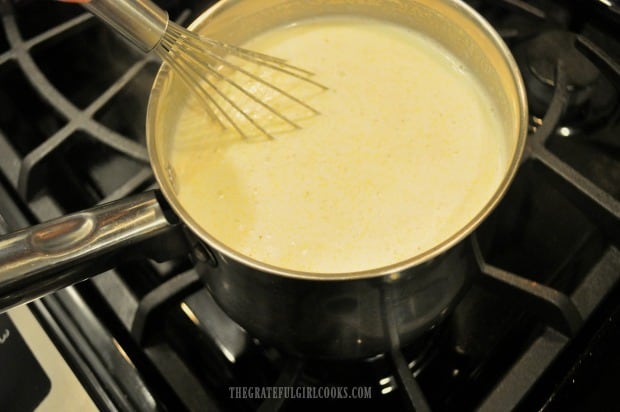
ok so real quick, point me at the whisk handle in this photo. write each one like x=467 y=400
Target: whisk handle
x=142 y=22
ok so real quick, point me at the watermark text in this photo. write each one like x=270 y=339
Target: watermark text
x=300 y=392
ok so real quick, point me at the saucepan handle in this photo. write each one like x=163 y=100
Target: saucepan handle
x=55 y=254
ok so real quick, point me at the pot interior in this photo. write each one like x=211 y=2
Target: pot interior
x=452 y=24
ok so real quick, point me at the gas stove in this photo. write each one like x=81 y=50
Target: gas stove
x=537 y=330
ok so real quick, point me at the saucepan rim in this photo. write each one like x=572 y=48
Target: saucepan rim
x=225 y=252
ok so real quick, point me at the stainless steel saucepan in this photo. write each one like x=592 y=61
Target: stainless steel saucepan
x=344 y=316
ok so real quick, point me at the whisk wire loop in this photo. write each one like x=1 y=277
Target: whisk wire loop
x=237 y=86
x=203 y=65
x=249 y=102
x=189 y=73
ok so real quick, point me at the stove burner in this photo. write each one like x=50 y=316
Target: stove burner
x=590 y=96
x=547 y=49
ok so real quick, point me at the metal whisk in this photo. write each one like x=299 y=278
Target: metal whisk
x=236 y=86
